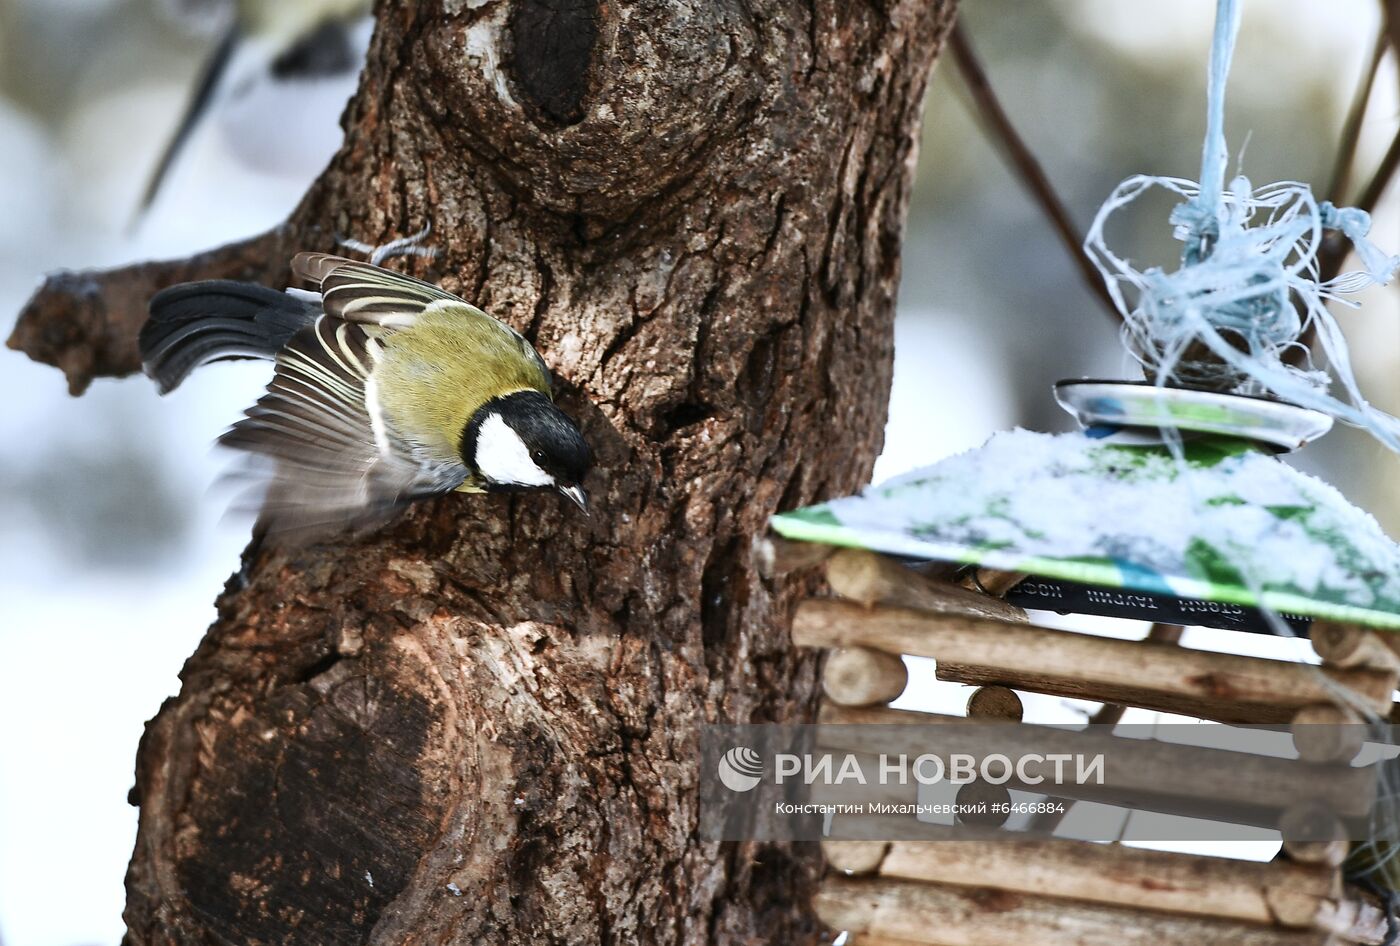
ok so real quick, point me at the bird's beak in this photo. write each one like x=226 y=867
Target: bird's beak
x=577 y=494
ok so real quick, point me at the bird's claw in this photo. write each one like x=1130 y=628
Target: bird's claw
x=404 y=246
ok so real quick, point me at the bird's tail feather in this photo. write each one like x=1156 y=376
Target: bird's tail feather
x=195 y=323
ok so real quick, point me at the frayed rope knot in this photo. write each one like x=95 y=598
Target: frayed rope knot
x=1355 y=223
x=1248 y=286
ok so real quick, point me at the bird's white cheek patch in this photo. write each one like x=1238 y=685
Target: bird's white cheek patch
x=503 y=457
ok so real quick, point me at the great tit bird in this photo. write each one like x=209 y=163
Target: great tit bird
x=276 y=40
x=386 y=389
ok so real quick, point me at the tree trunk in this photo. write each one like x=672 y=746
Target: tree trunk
x=480 y=725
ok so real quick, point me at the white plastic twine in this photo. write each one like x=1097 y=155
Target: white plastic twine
x=1248 y=285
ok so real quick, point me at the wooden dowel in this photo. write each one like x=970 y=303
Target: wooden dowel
x=1150 y=674
x=1187 y=780
x=874 y=579
x=995 y=703
x=859 y=676
x=1349 y=645
x=1330 y=853
x=981 y=916
x=776 y=556
x=1312 y=834
x=1281 y=892
x=987 y=797
x=1327 y=734
x=857 y=857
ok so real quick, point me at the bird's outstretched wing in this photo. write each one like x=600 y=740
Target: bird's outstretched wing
x=334 y=463
x=363 y=292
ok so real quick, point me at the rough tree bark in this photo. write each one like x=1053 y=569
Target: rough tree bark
x=480 y=725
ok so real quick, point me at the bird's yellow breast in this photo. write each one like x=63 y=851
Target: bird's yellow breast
x=436 y=373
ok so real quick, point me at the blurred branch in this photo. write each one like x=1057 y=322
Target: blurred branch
x=1385 y=171
x=1351 y=128
x=1390 y=22
x=1023 y=162
x=1332 y=256
x=1334 y=252
x=85 y=323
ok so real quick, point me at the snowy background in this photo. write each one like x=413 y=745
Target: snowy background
x=111 y=551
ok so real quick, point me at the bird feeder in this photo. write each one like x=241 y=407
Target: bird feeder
x=1170 y=506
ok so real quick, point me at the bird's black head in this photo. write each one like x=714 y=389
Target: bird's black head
x=522 y=441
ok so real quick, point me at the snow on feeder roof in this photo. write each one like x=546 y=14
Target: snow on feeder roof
x=1227 y=523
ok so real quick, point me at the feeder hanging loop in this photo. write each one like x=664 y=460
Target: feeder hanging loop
x=1248 y=285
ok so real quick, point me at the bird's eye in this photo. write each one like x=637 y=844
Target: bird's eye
x=537 y=456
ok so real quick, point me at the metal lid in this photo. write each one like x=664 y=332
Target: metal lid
x=1146 y=407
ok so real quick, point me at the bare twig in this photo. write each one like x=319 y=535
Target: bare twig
x=1390 y=21
x=1000 y=129
x=1332 y=256
x=1334 y=251
x=1385 y=172
x=1351 y=128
